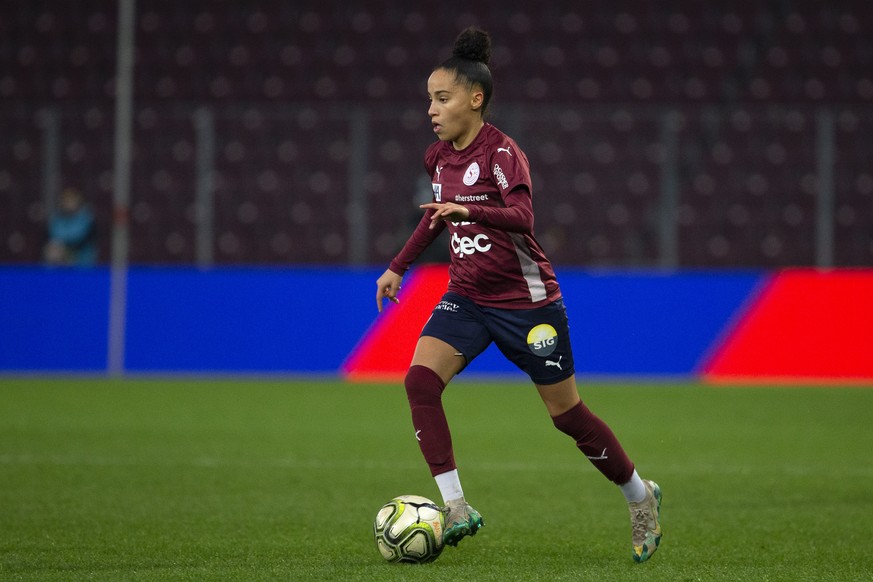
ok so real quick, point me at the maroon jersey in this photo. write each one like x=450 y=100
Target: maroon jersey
x=495 y=259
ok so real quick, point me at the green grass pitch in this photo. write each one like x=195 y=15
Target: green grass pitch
x=200 y=479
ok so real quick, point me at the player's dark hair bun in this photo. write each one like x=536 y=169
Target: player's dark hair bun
x=469 y=62
x=473 y=44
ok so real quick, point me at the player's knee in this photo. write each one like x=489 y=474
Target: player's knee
x=423 y=386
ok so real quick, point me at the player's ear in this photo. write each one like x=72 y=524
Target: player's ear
x=476 y=100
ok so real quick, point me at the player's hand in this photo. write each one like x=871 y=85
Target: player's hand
x=446 y=211
x=387 y=286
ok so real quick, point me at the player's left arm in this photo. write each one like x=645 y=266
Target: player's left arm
x=516 y=216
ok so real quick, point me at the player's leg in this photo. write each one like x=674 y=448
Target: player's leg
x=593 y=436
x=433 y=365
x=599 y=444
x=538 y=342
x=451 y=338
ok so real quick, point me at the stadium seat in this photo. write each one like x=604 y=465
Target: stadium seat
x=585 y=94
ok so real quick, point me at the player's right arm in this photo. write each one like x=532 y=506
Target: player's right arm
x=388 y=284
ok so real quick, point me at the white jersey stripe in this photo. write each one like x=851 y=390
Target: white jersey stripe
x=529 y=269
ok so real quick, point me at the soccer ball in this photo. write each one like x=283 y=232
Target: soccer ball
x=409 y=528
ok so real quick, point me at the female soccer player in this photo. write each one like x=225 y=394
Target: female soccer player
x=503 y=290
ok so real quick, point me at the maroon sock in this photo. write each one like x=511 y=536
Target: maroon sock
x=424 y=389
x=597 y=442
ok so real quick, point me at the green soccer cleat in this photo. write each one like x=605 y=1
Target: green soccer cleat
x=461 y=520
x=646 y=523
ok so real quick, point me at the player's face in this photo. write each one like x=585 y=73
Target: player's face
x=455 y=110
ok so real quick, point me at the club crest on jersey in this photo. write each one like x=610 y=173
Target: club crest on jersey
x=542 y=339
x=472 y=174
x=437 y=192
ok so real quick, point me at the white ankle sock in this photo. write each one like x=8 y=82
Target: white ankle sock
x=634 y=490
x=450 y=486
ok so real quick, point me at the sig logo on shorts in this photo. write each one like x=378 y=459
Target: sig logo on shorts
x=542 y=339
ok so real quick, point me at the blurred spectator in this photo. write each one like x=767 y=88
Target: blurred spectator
x=71 y=232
